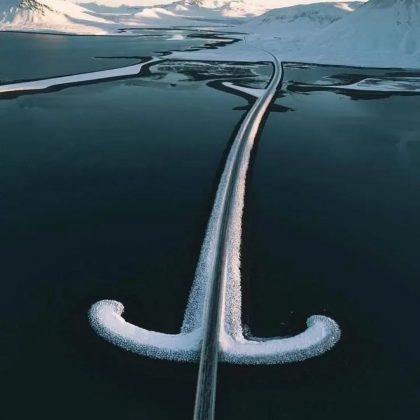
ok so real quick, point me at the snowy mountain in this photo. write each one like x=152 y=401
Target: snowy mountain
x=193 y=13
x=93 y=17
x=49 y=15
x=224 y=8
x=101 y=9
x=379 y=33
x=297 y=22
x=190 y=8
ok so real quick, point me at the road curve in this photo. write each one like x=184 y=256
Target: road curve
x=207 y=376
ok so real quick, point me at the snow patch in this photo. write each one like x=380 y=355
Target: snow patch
x=176 y=37
x=250 y=91
x=50 y=15
x=105 y=318
x=380 y=33
x=373 y=84
x=74 y=79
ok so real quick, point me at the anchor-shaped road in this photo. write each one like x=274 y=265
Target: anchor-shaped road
x=212 y=329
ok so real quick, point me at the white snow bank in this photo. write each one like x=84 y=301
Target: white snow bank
x=74 y=79
x=176 y=37
x=51 y=16
x=105 y=317
x=383 y=34
x=372 y=84
x=297 y=22
x=378 y=34
x=322 y=334
x=218 y=8
x=250 y=91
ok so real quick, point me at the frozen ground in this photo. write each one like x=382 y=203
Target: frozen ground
x=386 y=84
x=379 y=33
x=44 y=84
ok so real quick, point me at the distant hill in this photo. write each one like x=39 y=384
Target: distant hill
x=54 y=15
x=379 y=33
x=224 y=8
x=93 y=17
x=296 y=22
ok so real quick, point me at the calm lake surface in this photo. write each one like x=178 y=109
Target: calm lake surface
x=32 y=56
x=106 y=190
x=332 y=227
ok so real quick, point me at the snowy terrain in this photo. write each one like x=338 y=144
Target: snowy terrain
x=104 y=10
x=221 y=8
x=50 y=15
x=298 y=22
x=43 y=84
x=379 y=33
x=95 y=18
x=284 y=31
x=385 y=84
x=192 y=13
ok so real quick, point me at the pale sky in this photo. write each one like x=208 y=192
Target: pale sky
x=270 y=3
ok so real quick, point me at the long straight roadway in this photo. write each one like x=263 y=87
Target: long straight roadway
x=228 y=192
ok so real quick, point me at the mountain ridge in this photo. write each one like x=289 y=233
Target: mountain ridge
x=300 y=20
x=380 y=32
x=49 y=15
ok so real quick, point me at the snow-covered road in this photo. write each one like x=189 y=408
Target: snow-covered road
x=212 y=328
x=213 y=313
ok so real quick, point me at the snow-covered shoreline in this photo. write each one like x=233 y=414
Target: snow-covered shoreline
x=376 y=34
x=44 y=84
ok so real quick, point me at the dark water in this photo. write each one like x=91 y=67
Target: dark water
x=32 y=56
x=332 y=227
x=105 y=192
